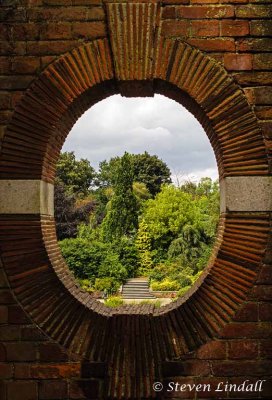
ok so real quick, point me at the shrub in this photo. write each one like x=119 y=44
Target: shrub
x=114 y=301
x=111 y=267
x=182 y=291
x=82 y=257
x=165 y=285
x=86 y=285
x=111 y=285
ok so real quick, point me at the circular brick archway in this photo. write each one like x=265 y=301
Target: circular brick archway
x=37 y=273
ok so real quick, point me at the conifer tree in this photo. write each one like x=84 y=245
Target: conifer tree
x=143 y=244
x=122 y=214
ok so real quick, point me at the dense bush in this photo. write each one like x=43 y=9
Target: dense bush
x=165 y=285
x=114 y=301
x=110 y=285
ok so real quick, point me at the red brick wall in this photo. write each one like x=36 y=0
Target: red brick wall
x=237 y=33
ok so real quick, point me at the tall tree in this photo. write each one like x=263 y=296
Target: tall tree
x=122 y=214
x=146 y=169
x=76 y=175
x=143 y=244
x=68 y=215
x=151 y=171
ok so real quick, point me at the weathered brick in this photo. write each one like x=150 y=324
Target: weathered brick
x=241 y=368
x=13 y=14
x=238 y=62
x=265 y=311
x=254 y=45
x=263 y=95
x=60 y=30
x=6 y=297
x=3 y=314
x=243 y=349
x=175 y=28
x=89 y=30
x=12 y=48
x=26 y=31
x=263 y=292
x=55 y=371
x=52 y=352
x=251 y=330
x=22 y=390
x=213 y=44
x=201 y=12
x=58 y=14
x=50 y=390
x=247 y=313
x=185 y=368
x=17 y=315
x=205 y=28
x=9 y=333
x=6 y=371
x=265 y=275
x=261 y=28
x=2 y=352
x=22 y=371
x=212 y=350
x=50 y=47
x=22 y=351
x=253 y=78
x=234 y=28
x=253 y=11
x=262 y=61
x=4 y=103
x=4 y=65
x=266 y=348
x=263 y=112
x=25 y=65
x=32 y=333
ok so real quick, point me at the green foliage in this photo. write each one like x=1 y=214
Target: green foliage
x=128 y=254
x=146 y=169
x=68 y=214
x=112 y=267
x=111 y=285
x=143 y=244
x=114 y=301
x=165 y=285
x=122 y=215
x=86 y=285
x=182 y=291
x=82 y=258
x=151 y=171
x=76 y=175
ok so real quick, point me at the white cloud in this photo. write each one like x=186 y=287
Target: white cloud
x=159 y=125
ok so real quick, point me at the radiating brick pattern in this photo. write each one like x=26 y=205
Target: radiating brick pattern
x=133 y=32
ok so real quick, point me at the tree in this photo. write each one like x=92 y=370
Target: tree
x=122 y=214
x=146 y=169
x=151 y=171
x=68 y=216
x=76 y=175
x=143 y=244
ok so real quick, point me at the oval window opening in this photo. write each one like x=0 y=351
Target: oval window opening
x=137 y=201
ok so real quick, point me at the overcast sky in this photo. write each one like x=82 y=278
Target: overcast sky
x=158 y=125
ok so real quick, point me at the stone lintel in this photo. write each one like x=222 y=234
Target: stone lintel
x=26 y=197
x=246 y=193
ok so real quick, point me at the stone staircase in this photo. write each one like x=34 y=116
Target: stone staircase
x=136 y=288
